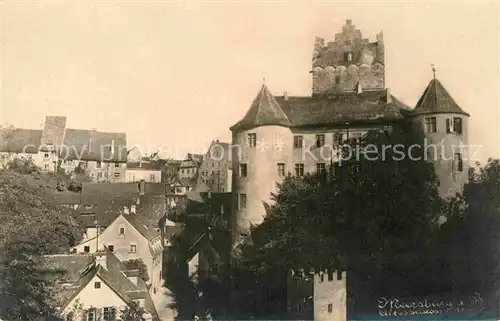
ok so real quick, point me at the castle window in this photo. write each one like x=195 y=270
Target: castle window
x=117 y=164
x=299 y=169
x=430 y=124
x=243 y=170
x=330 y=276
x=458 y=163
x=454 y=125
x=111 y=248
x=117 y=174
x=339 y=275
x=243 y=201
x=298 y=141
x=330 y=308
x=86 y=249
x=320 y=140
x=133 y=248
x=98 y=165
x=348 y=56
x=336 y=169
x=320 y=168
x=122 y=230
x=281 y=169
x=97 y=285
x=338 y=139
x=252 y=140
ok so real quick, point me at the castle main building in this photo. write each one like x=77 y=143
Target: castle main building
x=349 y=98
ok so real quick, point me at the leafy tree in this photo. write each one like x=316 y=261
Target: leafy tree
x=471 y=236
x=133 y=312
x=32 y=225
x=23 y=166
x=29 y=297
x=372 y=209
x=138 y=264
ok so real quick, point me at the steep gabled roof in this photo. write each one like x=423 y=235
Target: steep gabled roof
x=83 y=268
x=264 y=110
x=436 y=99
x=366 y=107
x=80 y=144
x=17 y=140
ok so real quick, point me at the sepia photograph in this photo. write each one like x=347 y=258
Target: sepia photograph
x=249 y=160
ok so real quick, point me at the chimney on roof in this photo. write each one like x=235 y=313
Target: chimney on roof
x=348 y=22
x=360 y=88
x=125 y=210
x=112 y=147
x=142 y=187
x=285 y=95
x=101 y=259
x=133 y=208
x=388 y=96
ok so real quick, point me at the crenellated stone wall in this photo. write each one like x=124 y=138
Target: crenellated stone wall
x=339 y=65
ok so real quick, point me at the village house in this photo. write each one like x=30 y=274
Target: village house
x=127 y=223
x=188 y=168
x=144 y=170
x=215 y=171
x=101 y=156
x=96 y=286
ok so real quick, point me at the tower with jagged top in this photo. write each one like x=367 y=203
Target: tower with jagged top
x=347 y=62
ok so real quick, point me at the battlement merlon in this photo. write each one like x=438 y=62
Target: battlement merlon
x=348 y=43
x=338 y=275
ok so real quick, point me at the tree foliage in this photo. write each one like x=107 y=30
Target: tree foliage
x=138 y=264
x=33 y=224
x=133 y=312
x=373 y=207
x=471 y=236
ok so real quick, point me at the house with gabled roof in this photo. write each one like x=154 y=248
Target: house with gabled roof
x=96 y=286
x=134 y=229
x=188 y=168
x=215 y=171
x=101 y=155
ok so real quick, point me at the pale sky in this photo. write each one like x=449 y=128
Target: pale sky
x=176 y=75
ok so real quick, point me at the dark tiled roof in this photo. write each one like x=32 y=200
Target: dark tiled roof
x=155 y=189
x=69 y=267
x=264 y=110
x=53 y=131
x=95 y=193
x=147 y=226
x=365 y=107
x=94 y=145
x=369 y=106
x=150 y=165
x=436 y=99
x=20 y=140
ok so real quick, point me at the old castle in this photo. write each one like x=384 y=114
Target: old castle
x=349 y=97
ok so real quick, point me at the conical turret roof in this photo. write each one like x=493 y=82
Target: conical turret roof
x=436 y=99
x=264 y=110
